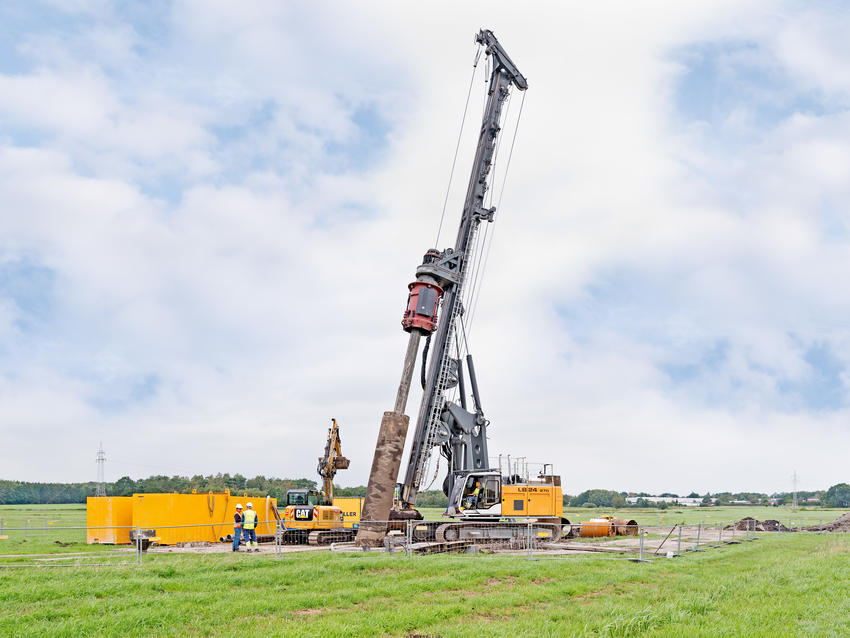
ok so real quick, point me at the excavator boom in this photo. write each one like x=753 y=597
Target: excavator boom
x=330 y=462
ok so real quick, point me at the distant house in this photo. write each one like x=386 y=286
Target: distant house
x=673 y=500
x=813 y=499
x=740 y=502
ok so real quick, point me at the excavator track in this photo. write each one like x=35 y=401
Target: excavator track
x=328 y=536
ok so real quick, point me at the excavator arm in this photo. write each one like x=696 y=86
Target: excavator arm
x=330 y=462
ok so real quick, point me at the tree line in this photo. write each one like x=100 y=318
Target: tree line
x=836 y=496
x=22 y=492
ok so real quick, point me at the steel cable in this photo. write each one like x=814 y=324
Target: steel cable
x=457 y=146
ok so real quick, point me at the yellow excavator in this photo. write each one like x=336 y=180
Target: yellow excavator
x=309 y=516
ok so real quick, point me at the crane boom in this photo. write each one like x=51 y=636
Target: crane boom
x=460 y=435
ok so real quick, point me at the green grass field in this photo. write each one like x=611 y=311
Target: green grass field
x=789 y=585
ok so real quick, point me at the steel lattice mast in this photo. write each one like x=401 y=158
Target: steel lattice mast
x=100 y=489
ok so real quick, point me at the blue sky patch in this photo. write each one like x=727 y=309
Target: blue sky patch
x=738 y=89
x=31 y=287
x=823 y=389
x=122 y=394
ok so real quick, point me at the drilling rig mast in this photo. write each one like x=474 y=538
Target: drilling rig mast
x=435 y=310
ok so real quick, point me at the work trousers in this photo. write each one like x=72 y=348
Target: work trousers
x=237 y=532
x=250 y=537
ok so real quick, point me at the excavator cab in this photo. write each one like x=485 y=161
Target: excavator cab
x=302 y=497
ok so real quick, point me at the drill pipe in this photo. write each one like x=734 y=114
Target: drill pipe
x=387 y=459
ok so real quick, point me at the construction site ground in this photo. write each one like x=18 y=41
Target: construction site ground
x=784 y=584
x=227 y=548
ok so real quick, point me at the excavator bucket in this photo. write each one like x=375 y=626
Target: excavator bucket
x=382 y=479
x=341 y=463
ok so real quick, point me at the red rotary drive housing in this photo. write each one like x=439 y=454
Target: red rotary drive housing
x=421 y=312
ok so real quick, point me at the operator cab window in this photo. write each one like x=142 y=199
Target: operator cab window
x=296 y=499
x=491 y=491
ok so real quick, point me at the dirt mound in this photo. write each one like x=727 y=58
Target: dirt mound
x=754 y=525
x=840 y=524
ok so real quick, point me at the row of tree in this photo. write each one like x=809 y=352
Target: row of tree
x=20 y=492
x=836 y=496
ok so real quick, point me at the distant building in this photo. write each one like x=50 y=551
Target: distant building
x=740 y=502
x=813 y=499
x=682 y=500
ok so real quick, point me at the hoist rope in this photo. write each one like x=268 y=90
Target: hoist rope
x=474 y=304
x=477 y=270
x=457 y=146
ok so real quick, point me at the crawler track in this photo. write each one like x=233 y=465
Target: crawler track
x=495 y=532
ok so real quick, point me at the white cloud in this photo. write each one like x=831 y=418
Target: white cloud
x=219 y=327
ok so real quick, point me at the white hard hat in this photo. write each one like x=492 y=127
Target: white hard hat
x=239 y=506
x=250 y=505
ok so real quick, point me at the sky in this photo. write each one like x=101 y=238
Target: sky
x=210 y=212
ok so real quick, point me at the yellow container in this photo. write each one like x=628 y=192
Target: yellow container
x=185 y=518
x=108 y=519
x=173 y=518
x=350 y=506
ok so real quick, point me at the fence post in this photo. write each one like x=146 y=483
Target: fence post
x=719 y=532
x=278 y=541
x=529 y=541
x=138 y=545
x=820 y=526
x=748 y=530
x=642 y=534
x=699 y=534
x=679 y=546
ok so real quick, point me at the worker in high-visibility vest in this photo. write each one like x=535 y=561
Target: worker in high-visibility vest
x=237 y=527
x=249 y=528
x=471 y=499
x=476 y=494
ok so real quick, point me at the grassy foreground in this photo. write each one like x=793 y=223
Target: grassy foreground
x=790 y=585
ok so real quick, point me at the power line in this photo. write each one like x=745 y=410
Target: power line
x=100 y=490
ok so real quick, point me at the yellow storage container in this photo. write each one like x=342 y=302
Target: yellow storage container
x=108 y=519
x=172 y=518
x=185 y=518
x=350 y=506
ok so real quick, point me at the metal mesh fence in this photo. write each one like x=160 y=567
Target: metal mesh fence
x=45 y=545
